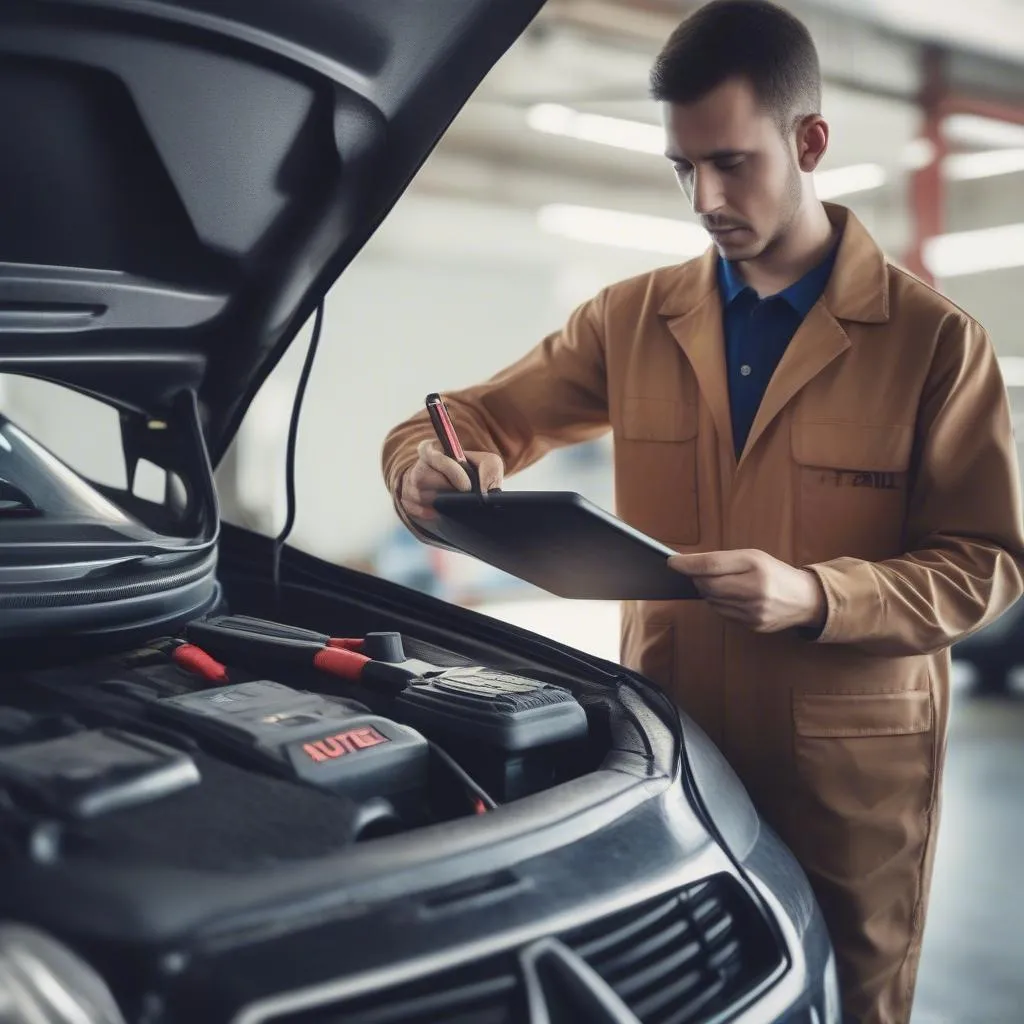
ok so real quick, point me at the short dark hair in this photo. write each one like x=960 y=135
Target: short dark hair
x=751 y=39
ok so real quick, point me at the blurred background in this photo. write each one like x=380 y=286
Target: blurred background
x=548 y=186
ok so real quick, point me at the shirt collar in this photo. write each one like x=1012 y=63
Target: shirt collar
x=729 y=281
x=801 y=295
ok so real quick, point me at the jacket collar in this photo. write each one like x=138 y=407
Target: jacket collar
x=800 y=296
x=858 y=288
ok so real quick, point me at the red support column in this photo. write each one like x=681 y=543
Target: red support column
x=927 y=187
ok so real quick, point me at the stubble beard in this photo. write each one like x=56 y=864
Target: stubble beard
x=793 y=198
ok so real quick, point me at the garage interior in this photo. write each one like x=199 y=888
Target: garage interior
x=551 y=184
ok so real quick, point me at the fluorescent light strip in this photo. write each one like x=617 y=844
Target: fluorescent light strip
x=554 y=119
x=973 y=252
x=972 y=130
x=917 y=154
x=622 y=230
x=971 y=166
x=844 y=181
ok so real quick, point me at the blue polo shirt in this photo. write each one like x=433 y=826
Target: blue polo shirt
x=757 y=332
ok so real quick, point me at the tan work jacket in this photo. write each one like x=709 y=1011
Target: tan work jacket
x=882 y=457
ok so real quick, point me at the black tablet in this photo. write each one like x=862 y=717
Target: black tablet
x=562 y=543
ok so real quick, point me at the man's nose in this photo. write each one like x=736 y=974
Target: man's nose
x=707 y=192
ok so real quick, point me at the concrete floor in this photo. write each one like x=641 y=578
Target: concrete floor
x=972 y=966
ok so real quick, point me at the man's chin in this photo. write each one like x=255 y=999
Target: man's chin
x=736 y=246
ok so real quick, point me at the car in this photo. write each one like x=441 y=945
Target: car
x=994 y=652
x=238 y=783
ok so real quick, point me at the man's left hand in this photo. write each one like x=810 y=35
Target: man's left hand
x=756 y=590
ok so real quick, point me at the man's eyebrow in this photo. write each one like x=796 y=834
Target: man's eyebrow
x=718 y=154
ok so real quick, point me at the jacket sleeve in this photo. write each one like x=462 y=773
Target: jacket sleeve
x=554 y=396
x=966 y=547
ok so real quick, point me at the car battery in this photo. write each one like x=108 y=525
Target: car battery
x=306 y=737
x=509 y=732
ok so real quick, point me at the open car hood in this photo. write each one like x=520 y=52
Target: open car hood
x=183 y=181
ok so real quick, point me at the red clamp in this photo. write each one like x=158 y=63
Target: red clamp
x=193 y=659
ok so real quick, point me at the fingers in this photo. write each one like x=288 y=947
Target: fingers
x=426 y=478
x=446 y=473
x=434 y=473
x=719 y=574
x=738 y=587
x=728 y=581
x=711 y=563
x=416 y=500
x=490 y=469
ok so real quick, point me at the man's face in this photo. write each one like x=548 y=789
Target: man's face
x=738 y=171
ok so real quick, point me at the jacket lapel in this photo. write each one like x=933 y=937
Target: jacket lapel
x=700 y=336
x=858 y=291
x=693 y=313
x=819 y=340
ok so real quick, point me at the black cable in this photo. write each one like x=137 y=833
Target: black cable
x=464 y=777
x=289 y=466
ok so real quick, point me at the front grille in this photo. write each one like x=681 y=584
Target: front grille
x=482 y=992
x=691 y=955
x=685 y=956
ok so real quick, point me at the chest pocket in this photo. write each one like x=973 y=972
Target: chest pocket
x=656 y=469
x=851 y=484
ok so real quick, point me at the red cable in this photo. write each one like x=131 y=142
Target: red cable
x=195 y=659
x=340 y=643
x=340 y=662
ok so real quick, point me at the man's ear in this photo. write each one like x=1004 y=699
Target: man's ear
x=811 y=137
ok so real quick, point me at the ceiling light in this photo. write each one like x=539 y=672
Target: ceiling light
x=843 y=181
x=917 y=154
x=622 y=230
x=554 y=119
x=972 y=252
x=972 y=130
x=969 y=166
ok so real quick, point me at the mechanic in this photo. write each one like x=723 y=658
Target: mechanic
x=826 y=441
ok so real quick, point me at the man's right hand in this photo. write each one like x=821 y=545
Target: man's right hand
x=433 y=473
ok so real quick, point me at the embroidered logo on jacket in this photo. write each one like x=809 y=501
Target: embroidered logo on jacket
x=879 y=481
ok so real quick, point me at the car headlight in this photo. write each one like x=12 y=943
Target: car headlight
x=44 y=982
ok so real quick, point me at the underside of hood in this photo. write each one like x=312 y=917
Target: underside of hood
x=182 y=182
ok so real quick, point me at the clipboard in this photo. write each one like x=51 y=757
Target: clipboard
x=561 y=542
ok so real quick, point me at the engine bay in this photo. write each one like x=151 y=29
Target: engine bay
x=187 y=811
x=159 y=753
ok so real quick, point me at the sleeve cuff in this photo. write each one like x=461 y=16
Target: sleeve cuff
x=853 y=601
